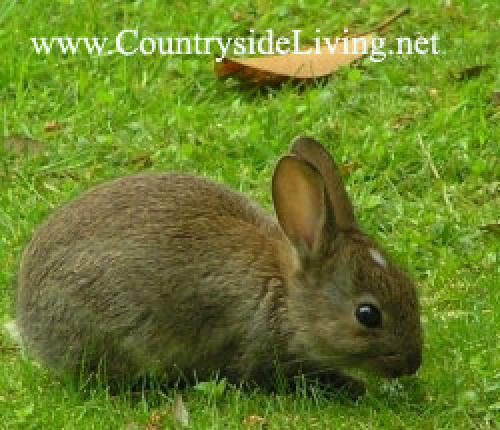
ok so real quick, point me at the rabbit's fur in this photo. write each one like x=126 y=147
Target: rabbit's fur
x=163 y=273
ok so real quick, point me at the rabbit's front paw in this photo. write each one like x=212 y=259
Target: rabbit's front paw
x=339 y=382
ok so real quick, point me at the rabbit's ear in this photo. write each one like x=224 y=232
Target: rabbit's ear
x=311 y=151
x=300 y=203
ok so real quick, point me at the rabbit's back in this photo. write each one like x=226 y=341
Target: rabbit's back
x=150 y=272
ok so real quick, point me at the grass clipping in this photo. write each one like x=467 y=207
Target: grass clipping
x=277 y=68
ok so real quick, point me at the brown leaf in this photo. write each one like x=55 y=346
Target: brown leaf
x=401 y=121
x=255 y=421
x=142 y=160
x=154 y=420
x=237 y=16
x=63 y=174
x=495 y=98
x=277 y=68
x=494 y=228
x=21 y=145
x=155 y=417
x=471 y=72
x=348 y=168
x=8 y=349
x=51 y=126
x=449 y=7
x=433 y=92
x=448 y=4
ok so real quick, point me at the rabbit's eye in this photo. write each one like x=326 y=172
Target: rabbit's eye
x=368 y=315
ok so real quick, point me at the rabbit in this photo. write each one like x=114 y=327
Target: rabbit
x=173 y=274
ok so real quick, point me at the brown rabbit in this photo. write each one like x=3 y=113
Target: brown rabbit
x=160 y=273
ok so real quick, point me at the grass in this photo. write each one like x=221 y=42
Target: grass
x=421 y=145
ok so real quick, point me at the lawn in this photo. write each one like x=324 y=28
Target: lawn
x=417 y=136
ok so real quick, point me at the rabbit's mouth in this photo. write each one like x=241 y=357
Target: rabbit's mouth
x=394 y=365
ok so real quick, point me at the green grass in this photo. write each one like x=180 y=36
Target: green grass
x=426 y=179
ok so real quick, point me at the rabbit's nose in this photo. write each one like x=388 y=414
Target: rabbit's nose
x=413 y=361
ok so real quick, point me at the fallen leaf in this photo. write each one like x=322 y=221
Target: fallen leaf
x=254 y=420
x=348 y=168
x=51 y=126
x=433 y=92
x=155 y=417
x=142 y=161
x=401 y=121
x=20 y=145
x=277 y=68
x=262 y=7
x=494 y=228
x=237 y=16
x=61 y=175
x=471 y=72
x=9 y=349
x=495 y=98
x=179 y=412
x=449 y=7
x=154 y=420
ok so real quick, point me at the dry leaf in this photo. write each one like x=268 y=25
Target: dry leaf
x=64 y=174
x=20 y=145
x=51 y=126
x=276 y=68
x=401 y=121
x=237 y=16
x=433 y=92
x=453 y=11
x=449 y=7
x=495 y=98
x=179 y=412
x=494 y=228
x=471 y=72
x=156 y=419
x=254 y=420
x=142 y=161
x=9 y=349
x=348 y=168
